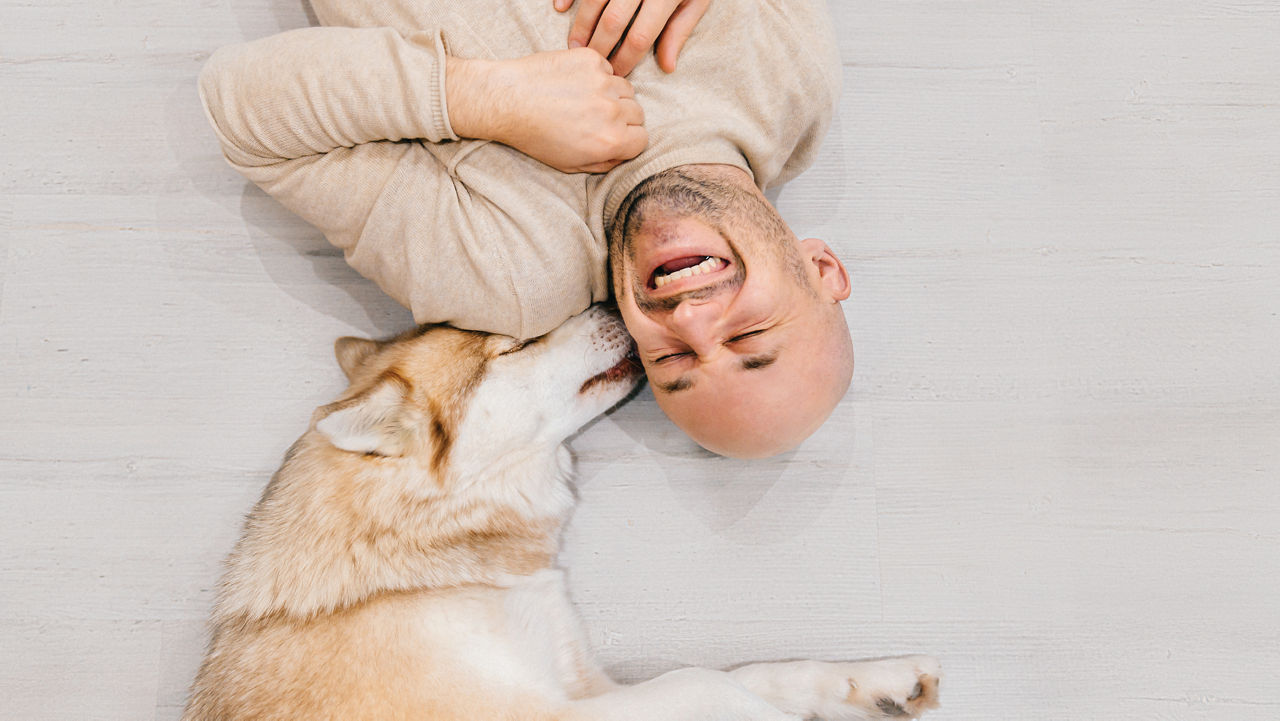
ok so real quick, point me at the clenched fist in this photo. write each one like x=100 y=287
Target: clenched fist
x=564 y=108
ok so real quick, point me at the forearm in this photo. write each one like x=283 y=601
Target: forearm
x=472 y=91
x=488 y=99
x=310 y=91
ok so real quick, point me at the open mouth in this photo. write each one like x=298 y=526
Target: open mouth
x=688 y=266
x=628 y=368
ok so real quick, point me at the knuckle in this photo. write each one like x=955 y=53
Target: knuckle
x=587 y=61
x=610 y=141
x=638 y=40
x=614 y=21
x=590 y=59
x=603 y=107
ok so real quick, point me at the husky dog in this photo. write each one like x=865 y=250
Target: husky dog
x=400 y=563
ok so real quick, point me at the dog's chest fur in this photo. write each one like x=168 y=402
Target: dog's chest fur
x=399 y=564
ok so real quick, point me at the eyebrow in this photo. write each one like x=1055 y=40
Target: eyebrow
x=680 y=384
x=756 y=362
x=751 y=363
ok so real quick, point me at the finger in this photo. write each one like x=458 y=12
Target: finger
x=621 y=87
x=640 y=37
x=604 y=167
x=631 y=112
x=584 y=23
x=562 y=5
x=634 y=140
x=679 y=28
x=613 y=23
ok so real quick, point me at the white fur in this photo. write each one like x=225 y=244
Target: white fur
x=363 y=427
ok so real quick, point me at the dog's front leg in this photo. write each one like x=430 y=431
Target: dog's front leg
x=588 y=679
x=688 y=694
x=884 y=688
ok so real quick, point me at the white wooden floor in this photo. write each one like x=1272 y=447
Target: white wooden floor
x=1059 y=468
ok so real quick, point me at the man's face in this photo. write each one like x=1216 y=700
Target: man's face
x=733 y=331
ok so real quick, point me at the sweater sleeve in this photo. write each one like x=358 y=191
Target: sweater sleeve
x=309 y=91
x=339 y=126
x=323 y=118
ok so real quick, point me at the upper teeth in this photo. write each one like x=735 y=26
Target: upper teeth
x=707 y=266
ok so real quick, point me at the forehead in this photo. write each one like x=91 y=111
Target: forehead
x=438 y=360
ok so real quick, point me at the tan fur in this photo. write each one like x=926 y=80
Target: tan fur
x=923 y=698
x=353 y=352
x=313 y=620
x=347 y=665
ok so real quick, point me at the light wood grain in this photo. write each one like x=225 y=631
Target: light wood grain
x=1058 y=469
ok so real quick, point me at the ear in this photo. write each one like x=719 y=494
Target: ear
x=832 y=276
x=352 y=352
x=375 y=422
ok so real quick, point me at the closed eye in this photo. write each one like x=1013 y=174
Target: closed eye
x=735 y=339
x=745 y=336
x=519 y=346
x=670 y=356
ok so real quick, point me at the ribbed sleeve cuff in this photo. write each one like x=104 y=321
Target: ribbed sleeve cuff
x=439 y=100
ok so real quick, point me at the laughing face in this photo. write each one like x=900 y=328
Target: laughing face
x=736 y=321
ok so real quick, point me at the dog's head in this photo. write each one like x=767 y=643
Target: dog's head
x=458 y=400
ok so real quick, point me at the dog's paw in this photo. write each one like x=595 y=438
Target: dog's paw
x=902 y=687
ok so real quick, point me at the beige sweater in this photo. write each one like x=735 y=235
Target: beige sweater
x=347 y=126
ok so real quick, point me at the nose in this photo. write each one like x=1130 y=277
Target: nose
x=694 y=320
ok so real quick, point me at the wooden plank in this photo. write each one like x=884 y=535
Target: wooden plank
x=1057 y=468
x=91 y=670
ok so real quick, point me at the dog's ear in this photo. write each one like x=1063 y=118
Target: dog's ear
x=376 y=421
x=352 y=352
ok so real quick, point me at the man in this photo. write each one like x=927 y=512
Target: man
x=474 y=169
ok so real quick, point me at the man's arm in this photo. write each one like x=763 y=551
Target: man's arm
x=314 y=90
x=336 y=124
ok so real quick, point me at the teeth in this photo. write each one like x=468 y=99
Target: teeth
x=710 y=265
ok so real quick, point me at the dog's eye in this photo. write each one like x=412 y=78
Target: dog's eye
x=518 y=347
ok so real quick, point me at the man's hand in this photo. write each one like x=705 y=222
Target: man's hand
x=600 y=24
x=564 y=108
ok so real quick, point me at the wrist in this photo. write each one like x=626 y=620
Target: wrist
x=468 y=94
